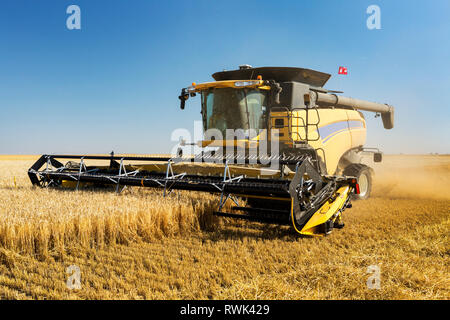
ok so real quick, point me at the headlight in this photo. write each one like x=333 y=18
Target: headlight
x=246 y=83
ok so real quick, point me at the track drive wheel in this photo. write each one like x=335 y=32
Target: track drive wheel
x=364 y=175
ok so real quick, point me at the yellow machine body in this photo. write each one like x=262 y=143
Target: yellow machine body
x=332 y=132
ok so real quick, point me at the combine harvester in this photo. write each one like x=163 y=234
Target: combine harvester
x=314 y=136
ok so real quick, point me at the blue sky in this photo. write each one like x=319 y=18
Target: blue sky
x=113 y=85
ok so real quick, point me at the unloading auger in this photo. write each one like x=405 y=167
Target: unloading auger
x=320 y=137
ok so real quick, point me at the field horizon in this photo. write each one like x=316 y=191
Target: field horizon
x=138 y=245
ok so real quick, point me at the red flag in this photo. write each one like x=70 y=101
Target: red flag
x=342 y=70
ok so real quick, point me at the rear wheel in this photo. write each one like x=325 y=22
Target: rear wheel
x=364 y=176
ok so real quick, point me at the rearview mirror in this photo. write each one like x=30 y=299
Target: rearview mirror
x=183 y=97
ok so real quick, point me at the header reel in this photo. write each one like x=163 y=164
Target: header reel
x=311 y=203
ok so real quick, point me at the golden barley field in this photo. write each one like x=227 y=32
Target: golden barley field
x=138 y=245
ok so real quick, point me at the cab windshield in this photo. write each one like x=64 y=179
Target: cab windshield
x=229 y=108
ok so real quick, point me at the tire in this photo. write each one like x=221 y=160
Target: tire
x=364 y=176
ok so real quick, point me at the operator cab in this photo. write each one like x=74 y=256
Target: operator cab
x=230 y=108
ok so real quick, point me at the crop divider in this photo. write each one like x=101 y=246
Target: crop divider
x=227 y=178
x=82 y=165
x=171 y=177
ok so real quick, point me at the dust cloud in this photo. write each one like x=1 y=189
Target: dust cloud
x=411 y=176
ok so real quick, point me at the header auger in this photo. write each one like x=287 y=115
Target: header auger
x=306 y=178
